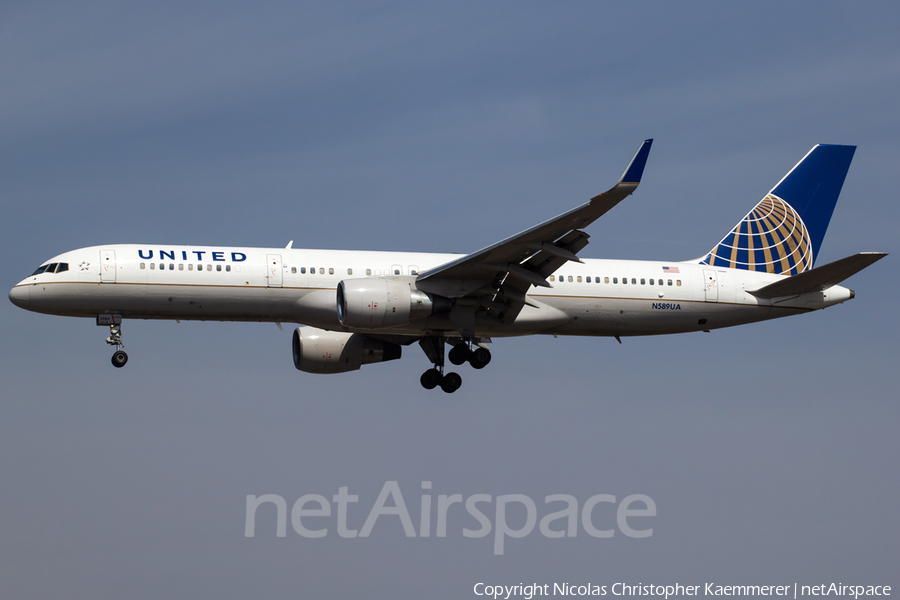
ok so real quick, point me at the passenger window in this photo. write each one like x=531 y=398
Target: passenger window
x=312 y=270
x=331 y=270
x=678 y=282
x=180 y=267
x=570 y=279
x=579 y=279
x=191 y=267
x=553 y=278
x=368 y=271
x=660 y=281
x=209 y=267
x=143 y=265
x=349 y=271
x=162 y=266
x=624 y=281
x=413 y=272
x=643 y=282
x=303 y=270
x=588 y=279
x=670 y=282
x=652 y=282
x=219 y=268
x=171 y=266
x=199 y=267
x=228 y=268
x=606 y=280
x=152 y=266
x=396 y=271
x=633 y=281
x=321 y=270
x=615 y=280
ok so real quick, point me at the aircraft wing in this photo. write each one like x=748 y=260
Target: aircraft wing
x=498 y=277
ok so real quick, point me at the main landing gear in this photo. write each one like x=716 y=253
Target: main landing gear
x=432 y=378
x=119 y=358
x=462 y=352
x=478 y=357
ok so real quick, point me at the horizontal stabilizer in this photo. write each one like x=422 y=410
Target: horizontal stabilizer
x=819 y=278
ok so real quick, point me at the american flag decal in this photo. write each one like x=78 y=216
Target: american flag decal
x=671 y=270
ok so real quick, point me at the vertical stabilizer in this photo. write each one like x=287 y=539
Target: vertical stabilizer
x=783 y=233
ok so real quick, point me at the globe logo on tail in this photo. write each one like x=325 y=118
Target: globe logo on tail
x=771 y=238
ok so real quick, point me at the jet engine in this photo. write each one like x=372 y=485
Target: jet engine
x=320 y=351
x=374 y=303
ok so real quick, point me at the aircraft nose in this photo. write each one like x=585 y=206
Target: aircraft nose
x=20 y=296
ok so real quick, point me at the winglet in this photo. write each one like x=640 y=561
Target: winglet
x=635 y=170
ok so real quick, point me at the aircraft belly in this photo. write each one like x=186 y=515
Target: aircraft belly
x=633 y=317
x=134 y=301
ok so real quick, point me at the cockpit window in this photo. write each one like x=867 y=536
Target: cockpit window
x=51 y=268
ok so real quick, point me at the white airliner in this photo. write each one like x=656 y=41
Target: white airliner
x=358 y=308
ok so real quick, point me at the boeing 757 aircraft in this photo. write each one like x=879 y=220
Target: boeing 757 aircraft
x=357 y=308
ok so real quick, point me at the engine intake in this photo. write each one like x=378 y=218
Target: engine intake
x=320 y=351
x=375 y=303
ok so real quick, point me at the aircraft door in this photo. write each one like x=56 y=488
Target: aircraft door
x=274 y=270
x=107 y=266
x=711 y=284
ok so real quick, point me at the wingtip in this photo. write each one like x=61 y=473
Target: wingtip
x=635 y=169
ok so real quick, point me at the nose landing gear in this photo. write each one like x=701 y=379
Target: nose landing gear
x=119 y=357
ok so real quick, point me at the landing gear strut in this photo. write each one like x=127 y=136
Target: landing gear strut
x=119 y=357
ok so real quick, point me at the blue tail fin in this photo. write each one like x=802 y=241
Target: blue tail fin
x=784 y=232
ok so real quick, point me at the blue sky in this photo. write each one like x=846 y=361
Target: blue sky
x=769 y=450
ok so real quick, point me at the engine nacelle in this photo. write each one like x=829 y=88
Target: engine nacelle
x=375 y=303
x=320 y=351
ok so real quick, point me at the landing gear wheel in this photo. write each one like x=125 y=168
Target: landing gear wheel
x=430 y=379
x=119 y=359
x=480 y=358
x=451 y=382
x=459 y=353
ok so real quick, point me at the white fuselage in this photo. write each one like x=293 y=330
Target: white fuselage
x=598 y=297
